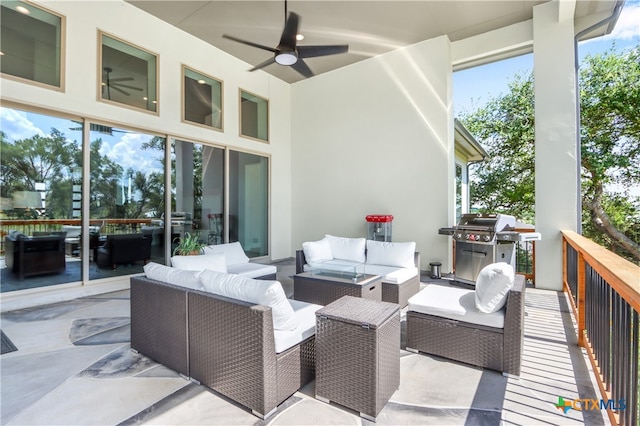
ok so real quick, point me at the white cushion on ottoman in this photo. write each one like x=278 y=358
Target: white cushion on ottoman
x=455 y=303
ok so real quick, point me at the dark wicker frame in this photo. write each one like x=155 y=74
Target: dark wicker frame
x=225 y=344
x=488 y=347
x=159 y=323
x=391 y=292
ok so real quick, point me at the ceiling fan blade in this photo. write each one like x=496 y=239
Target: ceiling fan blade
x=120 y=79
x=250 y=43
x=290 y=31
x=118 y=90
x=264 y=64
x=302 y=68
x=314 y=51
x=126 y=86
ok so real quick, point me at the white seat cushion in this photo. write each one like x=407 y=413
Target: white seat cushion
x=261 y=292
x=252 y=270
x=304 y=315
x=183 y=278
x=392 y=274
x=338 y=265
x=455 y=303
x=234 y=253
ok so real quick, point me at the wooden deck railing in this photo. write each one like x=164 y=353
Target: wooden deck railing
x=604 y=291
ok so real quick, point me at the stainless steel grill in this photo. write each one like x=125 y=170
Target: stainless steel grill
x=482 y=239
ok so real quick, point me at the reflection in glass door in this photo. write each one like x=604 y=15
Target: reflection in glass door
x=197 y=192
x=39 y=204
x=249 y=202
x=126 y=201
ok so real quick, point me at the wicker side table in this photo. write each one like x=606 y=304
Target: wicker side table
x=358 y=354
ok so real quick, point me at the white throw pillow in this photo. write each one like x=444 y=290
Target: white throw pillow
x=391 y=254
x=317 y=251
x=347 y=248
x=213 y=262
x=261 y=292
x=233 y=252
x=189 y=279
x=492 y=287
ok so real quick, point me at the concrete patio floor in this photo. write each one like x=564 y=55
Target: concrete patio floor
x=74 y=366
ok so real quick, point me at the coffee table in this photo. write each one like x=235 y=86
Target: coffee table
x=324 y=287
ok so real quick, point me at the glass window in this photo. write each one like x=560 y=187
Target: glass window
x=249 y=202
x=202 y=99
x=128 y=74
x=39 y=222
x=31 y=43
x=197 y=203
x=459 y=195
x=126 y=199
x=254 y=116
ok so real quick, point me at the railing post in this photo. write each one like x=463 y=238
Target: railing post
x=581 y=285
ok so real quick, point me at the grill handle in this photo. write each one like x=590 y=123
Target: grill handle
x=475 y=253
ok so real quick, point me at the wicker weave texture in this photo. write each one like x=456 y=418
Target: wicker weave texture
x=324 y=290
x=487 y=347
x=356 y=366
x=400 y=293
x=159 y=323
x=232 y=351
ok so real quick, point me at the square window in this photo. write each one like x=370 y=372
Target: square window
x=31 y=43
x=128 y=74
x=254 y=116
x=202 y=99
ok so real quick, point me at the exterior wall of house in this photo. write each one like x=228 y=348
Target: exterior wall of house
x=377 y=137
x=174 y=48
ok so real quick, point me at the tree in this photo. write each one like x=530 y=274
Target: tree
x=610 y=150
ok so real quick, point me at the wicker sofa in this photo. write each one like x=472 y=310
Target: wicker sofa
x=487 y=346
x=400 y=278
x=226 y=344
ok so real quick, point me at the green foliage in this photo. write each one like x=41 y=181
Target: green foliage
x=187 y=245
x=610 y=150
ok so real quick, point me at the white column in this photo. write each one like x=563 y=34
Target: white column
x=556 y=159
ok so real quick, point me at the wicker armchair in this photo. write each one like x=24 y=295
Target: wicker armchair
x=488 y=347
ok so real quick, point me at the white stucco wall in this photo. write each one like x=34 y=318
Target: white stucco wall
x=175 y=48
x=376 y=137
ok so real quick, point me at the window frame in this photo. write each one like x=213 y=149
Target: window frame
x=100 y=67
x=61 y=57
x=242 y=91
x=183 y=118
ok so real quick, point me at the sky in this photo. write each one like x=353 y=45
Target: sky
x=469 y=95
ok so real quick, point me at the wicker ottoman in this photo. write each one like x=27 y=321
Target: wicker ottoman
x=358 y=354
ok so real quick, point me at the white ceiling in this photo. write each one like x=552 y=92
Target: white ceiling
x=370 y=28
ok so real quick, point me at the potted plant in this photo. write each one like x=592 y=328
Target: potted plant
x=188 y=245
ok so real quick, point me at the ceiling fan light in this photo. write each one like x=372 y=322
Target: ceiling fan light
x=286 y=58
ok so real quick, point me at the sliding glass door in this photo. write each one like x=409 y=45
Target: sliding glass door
x=249 y=202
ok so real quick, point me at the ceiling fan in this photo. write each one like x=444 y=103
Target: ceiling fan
x=116 y=84
x=288 y=52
